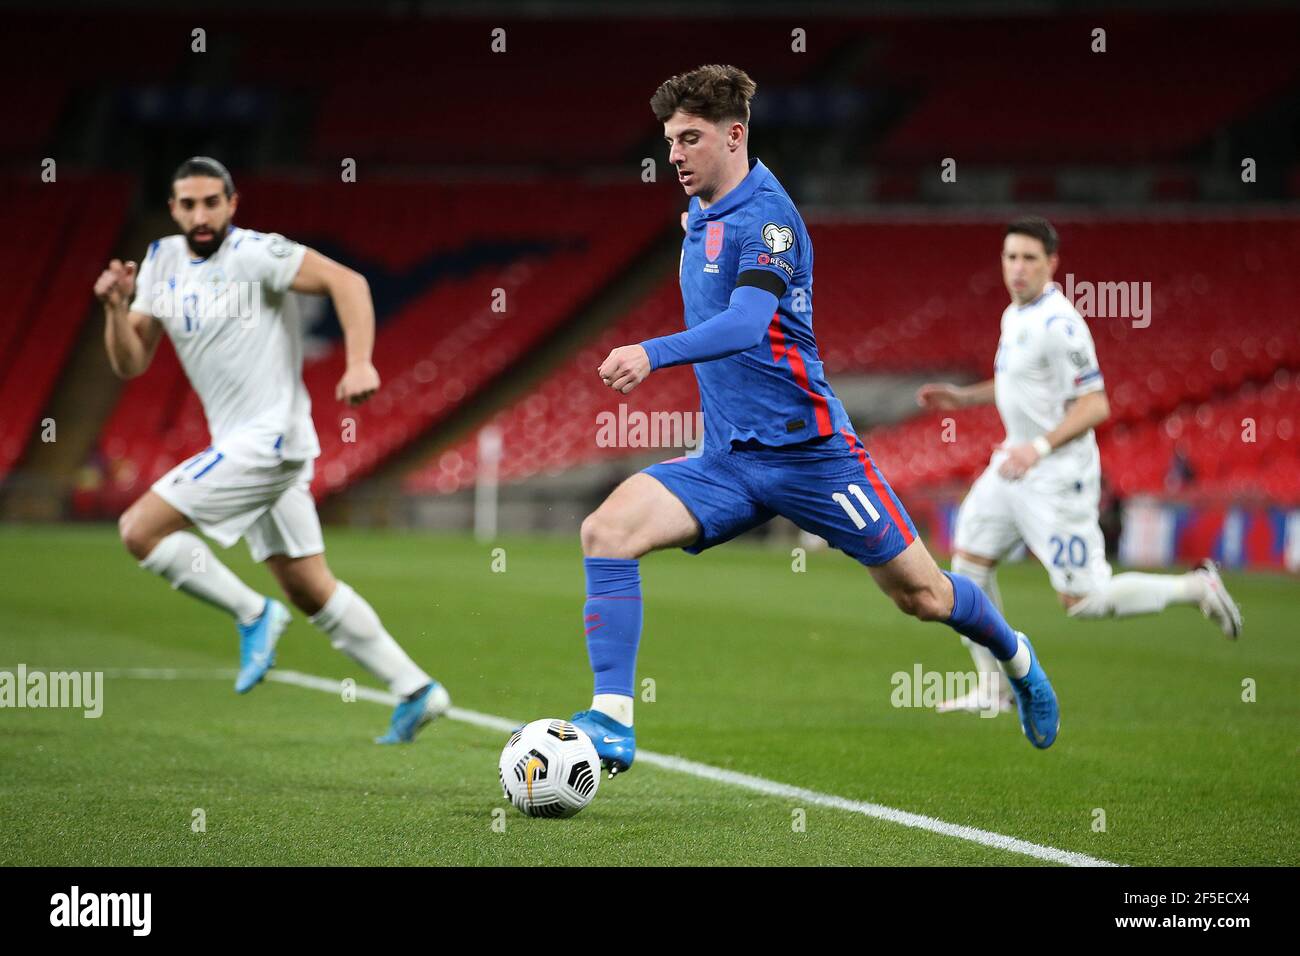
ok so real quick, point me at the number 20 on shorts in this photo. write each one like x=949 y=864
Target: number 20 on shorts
x=1065 y=550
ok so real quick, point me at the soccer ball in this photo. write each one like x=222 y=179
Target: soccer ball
x=549 y=768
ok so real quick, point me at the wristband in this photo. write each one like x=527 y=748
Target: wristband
x=1042 y=446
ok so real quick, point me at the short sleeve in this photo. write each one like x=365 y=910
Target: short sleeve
x=145 y=293
x=770 y=245
x=1072 y=356
x=273 y=259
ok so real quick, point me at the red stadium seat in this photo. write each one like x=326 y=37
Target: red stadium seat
x=67 y=232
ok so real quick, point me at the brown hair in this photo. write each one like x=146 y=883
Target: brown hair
x=714 y=92
x=204 y=166
x=1036 y=227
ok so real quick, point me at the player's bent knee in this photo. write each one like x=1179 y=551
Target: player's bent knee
x=135 y=536
x=592 y=535
x=606 y=537
x=147 y=522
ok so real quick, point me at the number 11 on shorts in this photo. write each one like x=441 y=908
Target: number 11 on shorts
x=842 y=500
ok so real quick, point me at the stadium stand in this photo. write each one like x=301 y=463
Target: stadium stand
x=1046 y=96
x=61 y=235
x=1243 y=446
x=553 y=428
x=72 y=56
x=597 y=109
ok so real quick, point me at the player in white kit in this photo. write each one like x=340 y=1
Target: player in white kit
x=1043 y=484
x=221 y=293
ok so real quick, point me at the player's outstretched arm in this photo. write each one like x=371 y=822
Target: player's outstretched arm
x=739 y=327
x=942 y=395
x=321 y=275
x=1084 y=413
x=130 y=338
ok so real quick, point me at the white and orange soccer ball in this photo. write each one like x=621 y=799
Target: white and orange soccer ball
x=549 y=768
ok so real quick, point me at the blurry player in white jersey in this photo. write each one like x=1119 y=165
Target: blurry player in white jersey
x=1043 y=483
x=221 y=293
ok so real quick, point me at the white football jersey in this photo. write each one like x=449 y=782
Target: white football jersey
x=1046 y=358
x=239 y=337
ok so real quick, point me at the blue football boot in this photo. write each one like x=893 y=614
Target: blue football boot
x=615 y=743
x=1040 y=717
x=257 y=645
x=410 y=715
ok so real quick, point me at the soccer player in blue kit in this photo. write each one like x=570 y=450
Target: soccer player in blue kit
x=776 y=439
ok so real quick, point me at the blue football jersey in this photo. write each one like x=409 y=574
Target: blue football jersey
x=775 y=393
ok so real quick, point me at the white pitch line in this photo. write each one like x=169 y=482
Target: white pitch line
x=771 y=788
x=167 y=673
x=917 y=821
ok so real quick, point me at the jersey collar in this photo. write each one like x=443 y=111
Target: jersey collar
x=757 y=175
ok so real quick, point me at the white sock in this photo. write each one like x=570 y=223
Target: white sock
x=186 y=562
x=1132 y=593
x=1018 y=665
x=355 y=629
x=986 y=578
x=987 y=664
x=617 y=706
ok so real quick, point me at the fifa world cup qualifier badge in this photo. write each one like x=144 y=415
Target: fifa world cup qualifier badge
x=778 y=238
x=280 y=247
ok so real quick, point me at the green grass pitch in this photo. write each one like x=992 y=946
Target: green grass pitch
x=756 y=668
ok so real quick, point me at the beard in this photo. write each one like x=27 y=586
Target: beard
x=206 y=247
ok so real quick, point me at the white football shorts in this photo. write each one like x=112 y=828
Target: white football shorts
x=270 y=507
x=1055 y=515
